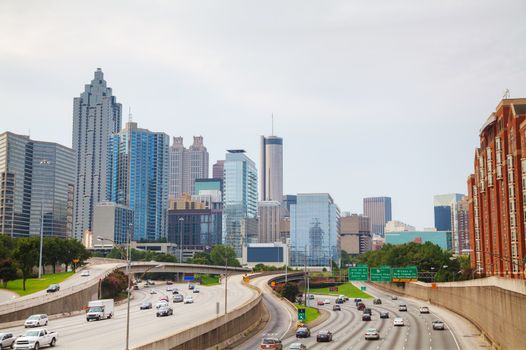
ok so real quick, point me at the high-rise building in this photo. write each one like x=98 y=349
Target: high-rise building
x=218 y=169
x=440 y=238
x=287 y=201
x=378 y=210
x=187 y=165
x=269 y=221
x=111 y=221
x=497 y=193
x=314 y=231
x=463 y=225
x=271 y=171
x=239 y=199
x=398 y=226
x=138 y=178
x=36 y=187
x=207 y=185
x=355 y=234
x=446 y=216
x=96 y=115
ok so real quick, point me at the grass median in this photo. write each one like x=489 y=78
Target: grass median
x=347 y=289
x=34 y=285
x=209 y=280
x=311 y=313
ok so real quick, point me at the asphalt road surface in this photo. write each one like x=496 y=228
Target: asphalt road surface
x=76 y=333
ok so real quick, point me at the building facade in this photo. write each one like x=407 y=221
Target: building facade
x=217 y=169
x=96 y=115
x=355 y=234
x=446 y=207
x=138 y=178
x=240 y=199
x=441 y=238
x=111 y=221
x=271 y=171
x=314 y=231
x=396 y=226
x=207 y=185
x=463 y=225
x=187 y=165
x=378 y=210
x=36 y=187
x=270 y=254
x=497 y=192
x=269 y=216
x=287 y=201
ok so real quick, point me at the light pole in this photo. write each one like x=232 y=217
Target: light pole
x=43 y=162
x=181 y=219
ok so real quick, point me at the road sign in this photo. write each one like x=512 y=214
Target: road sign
x=188 y=278
x=404 y=274
x=381 y=274
x=363 y=288
x=302 y=316
x=359 y=273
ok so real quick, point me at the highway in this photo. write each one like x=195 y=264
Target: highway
x=76 y=333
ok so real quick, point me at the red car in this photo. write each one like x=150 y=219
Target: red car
x=271 y=343
x=360 y=306
x=164 y=297
x=321 y=303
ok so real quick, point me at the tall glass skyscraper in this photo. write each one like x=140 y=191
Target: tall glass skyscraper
x=240 y=199
x=271 y=168
x=314 y=230
x=36 y=187
x=138 y=178
x=96 y=115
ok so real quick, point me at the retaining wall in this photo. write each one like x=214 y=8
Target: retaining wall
x=500 y=314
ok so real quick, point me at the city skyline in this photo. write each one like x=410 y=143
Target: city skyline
x=214 y=74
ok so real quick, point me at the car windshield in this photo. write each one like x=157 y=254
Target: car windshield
x=31 y=334
x=324 y=332
x=95 y=309
x=34 y=317
x=269 y=341
x=372 y=330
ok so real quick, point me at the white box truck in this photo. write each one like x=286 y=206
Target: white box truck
x=99 y=309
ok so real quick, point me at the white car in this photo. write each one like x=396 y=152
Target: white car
x=424 y=310
x=297 y=346
x=6 y=340
x=398 y=322
x=84 y=273
x=372 y=333
x=161 y=303
x=326 y=301
x=36 y=321
x=153 y=291
x=169 y=288
x=188 y=299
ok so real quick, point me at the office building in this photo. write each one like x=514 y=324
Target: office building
x=112 y=222
x=397 y=226
x=96 y=115
x=441 y=238
x=463 y=225
x=378 y=210
x=218 y=169
x=240 y=199
x=187 y=165
x=269 y=216
x=269 y=254
x=207 y=185
x=36 y=187
x=315 y=231
x=355 y=234
x=446 y=208
x=287 y=201
x=497 y=207
x=271 y=171
x=138 y=178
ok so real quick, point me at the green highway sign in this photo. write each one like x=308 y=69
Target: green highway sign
x=381 y=274
x=363 y=288
x=404 y=274
x=302 y=316
x=359 y=273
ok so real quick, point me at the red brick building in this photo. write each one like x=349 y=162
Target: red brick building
x=497 y=193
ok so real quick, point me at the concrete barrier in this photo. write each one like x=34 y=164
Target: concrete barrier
x=500 y=314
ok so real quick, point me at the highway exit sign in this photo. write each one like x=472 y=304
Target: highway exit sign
x=381 y=274
x=359 y=273
x=302 y=316
x=404 y=274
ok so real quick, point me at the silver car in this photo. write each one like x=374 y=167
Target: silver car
x=7 y=340
x=36 y=321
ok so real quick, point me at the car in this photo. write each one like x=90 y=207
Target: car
x=6 y=340
x=311 y=296
x=424 y=310
x=169 y=288
x=326 y=302
x=340 y=301
x=438 y=325
x=169 y=283
x=191 y=286
x=36 y=321
x=146 y=305
x=384 y=314
x=297 y=346
x=303 y=332
x=342 y=297
x=360 y=306
x=394 y=297
x=150 y=283
x=398 y=322
x=320 y=303
x=402 y=307
x=53 y=288
x=324 y=336
x=377 y=301
x=153 y=291
x=165 y=311
x=135 y=287
x=336 y=308
x=36 y=338
x=367 y=311
x=271 y=343
x=161 y=304
x=85 y=273
x=372 y=333
x=188 y=299
x=195 y=290
x=164 y=297
x=175 y=291
x=178 y=298
x=357 y=300
x=366 y=317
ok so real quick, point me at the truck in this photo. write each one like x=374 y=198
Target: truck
x=99 y=309
x=35 y=339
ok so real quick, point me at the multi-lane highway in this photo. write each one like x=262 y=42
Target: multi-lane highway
x=76 y=333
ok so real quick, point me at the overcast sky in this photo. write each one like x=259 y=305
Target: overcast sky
x=371 y=98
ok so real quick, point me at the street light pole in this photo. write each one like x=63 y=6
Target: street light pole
x=128 y=268
x=43 y=162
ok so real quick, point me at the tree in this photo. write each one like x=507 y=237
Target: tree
x=290 y=291
x=7 y=271
x=73 y=250
x=114 y=284
x=26 y=255
x=221 y=254
x=52 y=251
x=201 y=258
x=7 y=245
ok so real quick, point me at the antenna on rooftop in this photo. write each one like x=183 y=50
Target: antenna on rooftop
x=130 y=119
x=506 y=94
x=272 y=125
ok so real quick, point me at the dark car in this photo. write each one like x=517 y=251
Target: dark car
x=340 y=301
x=336 y=308
x=191 y=286
x=377 y=301
x=357 y=300
x=366 y=317
x=384 y=314
x=53 y=288
x=175 y=291
x=324 y=336
x=165 y=311
x=146 y=305
x=135 y=287
x=360 y=306
x=303 y=332
x=367 y=311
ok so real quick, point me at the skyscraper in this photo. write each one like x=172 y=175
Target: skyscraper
x=314 y=230
x=186 y=165
x=138 y=178
x=240 y=199
x=217 y=169
x=269 y=221
x=446 y=216
x=36 y=187
x=355 y=234
x=96 y=115
x=378 y=210
x=271 y=171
